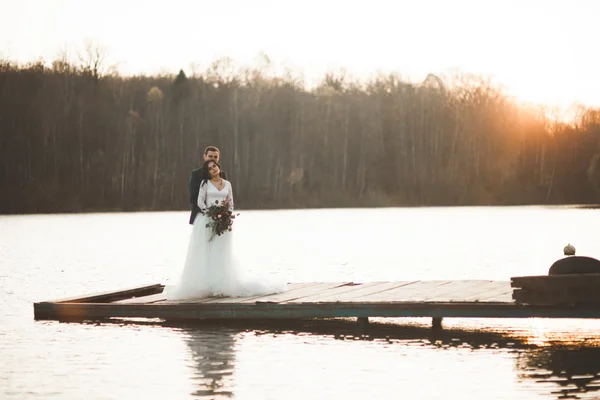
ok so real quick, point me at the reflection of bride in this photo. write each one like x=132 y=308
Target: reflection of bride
x=214 y=355
x=210 y=266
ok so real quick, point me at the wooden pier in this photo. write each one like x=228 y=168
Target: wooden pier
x=435 y=299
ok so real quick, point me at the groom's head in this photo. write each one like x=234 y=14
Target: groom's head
x=211 y=153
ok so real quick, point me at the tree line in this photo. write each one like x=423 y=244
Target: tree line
x=74 y=138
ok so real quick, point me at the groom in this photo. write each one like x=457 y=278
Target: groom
x=196 y=177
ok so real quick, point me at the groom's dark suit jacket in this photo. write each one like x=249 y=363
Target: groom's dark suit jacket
x=196 y=178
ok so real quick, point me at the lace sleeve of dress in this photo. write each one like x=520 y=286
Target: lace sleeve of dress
x=229 y=197
x=202 y=193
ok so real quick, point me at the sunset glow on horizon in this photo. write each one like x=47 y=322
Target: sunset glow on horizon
x=540 y=51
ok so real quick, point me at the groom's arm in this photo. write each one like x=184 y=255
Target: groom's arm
x=194 y=186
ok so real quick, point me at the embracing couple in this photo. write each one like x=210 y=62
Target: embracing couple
x=210 y=268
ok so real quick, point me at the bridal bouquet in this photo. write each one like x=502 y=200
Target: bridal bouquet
x=221 y=218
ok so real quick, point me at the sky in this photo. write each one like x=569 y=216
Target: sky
x=540 y=51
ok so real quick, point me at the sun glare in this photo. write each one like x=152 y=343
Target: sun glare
x=541 y=51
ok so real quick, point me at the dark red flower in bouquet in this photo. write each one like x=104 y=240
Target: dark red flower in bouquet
x=221 y=218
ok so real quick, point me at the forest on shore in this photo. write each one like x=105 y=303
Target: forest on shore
x=76 y=137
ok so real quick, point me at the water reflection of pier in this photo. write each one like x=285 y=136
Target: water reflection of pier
x=569 y=370
x=574 y=372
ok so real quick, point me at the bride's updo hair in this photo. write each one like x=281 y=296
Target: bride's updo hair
x=205 y=172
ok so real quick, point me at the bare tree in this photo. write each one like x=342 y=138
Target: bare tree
x=71 y=143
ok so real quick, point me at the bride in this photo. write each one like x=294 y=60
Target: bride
x=210 y=267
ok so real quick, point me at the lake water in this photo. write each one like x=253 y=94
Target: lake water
x=51 y=256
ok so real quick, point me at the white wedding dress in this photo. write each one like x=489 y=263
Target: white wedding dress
x=211 y=268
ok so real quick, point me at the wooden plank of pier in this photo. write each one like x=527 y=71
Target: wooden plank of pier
x=567 y=289
x=436 y=299
x=113 y=296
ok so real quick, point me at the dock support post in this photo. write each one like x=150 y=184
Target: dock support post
x=363 y=323
x=436 y=323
